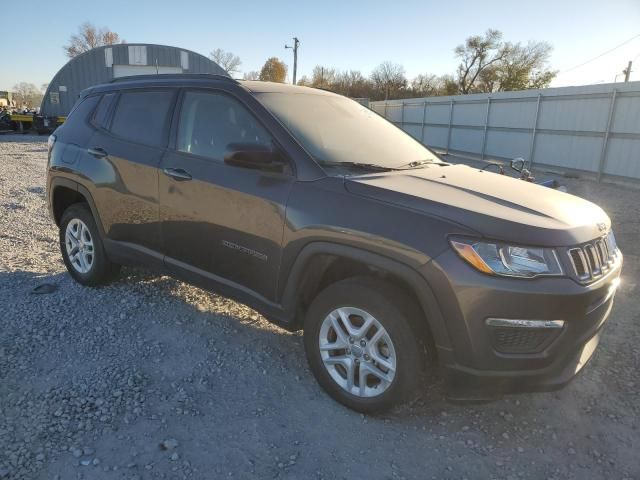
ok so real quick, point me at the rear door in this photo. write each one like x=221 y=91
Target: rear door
x=221 y=223
x=127 y=151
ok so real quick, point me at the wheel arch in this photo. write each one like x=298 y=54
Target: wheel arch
x=66 y=192
x=316 y=259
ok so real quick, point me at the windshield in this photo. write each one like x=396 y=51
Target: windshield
x=334 y=129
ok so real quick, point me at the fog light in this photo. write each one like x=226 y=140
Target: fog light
x=522 y=336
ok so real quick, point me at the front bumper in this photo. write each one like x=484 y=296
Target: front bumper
x=475 y=366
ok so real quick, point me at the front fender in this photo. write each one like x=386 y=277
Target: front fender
x=420 y=287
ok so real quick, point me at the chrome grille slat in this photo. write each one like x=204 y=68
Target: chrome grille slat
x=593 y=259
x=601 y=249
x=579 y=262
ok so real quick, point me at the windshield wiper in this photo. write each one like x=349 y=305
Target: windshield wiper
x=358 y=165
x=419 y=163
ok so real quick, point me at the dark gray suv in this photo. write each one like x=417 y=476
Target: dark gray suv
x=323 y=216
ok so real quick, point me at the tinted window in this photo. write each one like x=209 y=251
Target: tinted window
x=209 y=122
x=76 y=128
x=101 y=115
x=142 y=116
x=81 y=110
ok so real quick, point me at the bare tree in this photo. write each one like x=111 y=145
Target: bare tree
x=27 y=95
x=251 y=75
x=350 y=83
x=226 y=60
x=523 y=67
x=477 y=54
x=323 y=77
x=426 y=85
x=304 y=81
x=274 y=70
x=89 y=37
x=389 y=78
x=449 y=85
x=353 y=84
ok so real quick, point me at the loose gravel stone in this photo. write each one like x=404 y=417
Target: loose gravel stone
x=169 y=444
x=92 y=380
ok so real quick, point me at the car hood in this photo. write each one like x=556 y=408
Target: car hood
x=495 y=206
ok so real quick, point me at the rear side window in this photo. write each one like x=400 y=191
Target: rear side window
x=101 y=115
x=142 y=116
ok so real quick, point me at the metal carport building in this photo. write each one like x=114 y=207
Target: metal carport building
x=103 y=64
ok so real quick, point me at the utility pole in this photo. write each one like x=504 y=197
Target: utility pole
x=627 y=72
x=296 y=42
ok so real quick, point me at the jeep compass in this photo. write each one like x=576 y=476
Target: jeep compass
x=325 y=217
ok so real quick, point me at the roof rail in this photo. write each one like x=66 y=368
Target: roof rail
x=177 y=76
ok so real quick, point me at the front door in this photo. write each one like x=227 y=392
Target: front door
x=221 y=222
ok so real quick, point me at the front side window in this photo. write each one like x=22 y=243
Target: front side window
x=141 y=116
x=335 y=129
x=209 y=122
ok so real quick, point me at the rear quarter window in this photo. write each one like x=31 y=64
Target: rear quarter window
x=142 y=116
x=76 y=129
x=81 y=111
x=101 y=113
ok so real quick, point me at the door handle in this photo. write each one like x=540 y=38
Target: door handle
x=97 y=152
x=177 y=173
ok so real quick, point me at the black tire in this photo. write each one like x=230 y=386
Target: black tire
x=102 y=271
x=388 y=304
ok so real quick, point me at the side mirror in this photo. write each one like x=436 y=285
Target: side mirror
x=255 y=157
x=518 y=164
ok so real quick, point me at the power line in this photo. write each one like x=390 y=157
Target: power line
x=601 y=55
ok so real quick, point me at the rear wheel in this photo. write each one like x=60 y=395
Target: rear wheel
x=361 y=345
x=82 y=248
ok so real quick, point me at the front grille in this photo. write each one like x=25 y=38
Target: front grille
x=594 y=259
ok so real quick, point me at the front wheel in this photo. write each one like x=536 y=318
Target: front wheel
x=361 y=345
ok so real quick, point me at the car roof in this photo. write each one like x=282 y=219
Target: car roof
x=189 y=79
x=258 y=86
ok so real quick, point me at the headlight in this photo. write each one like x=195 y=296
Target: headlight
x=497 y=258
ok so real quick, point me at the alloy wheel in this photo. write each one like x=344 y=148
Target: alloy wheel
x=79 y=245
x=357 y=352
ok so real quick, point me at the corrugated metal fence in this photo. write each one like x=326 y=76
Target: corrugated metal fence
x=593 y=128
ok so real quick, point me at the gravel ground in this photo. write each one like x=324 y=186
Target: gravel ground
x=153 y=378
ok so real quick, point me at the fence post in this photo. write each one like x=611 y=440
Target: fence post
x=486 y=126
x=424 y=120
x=402 y=116
x=605 y=141
x=532 y=145
x=385 y=109
x=450 y=120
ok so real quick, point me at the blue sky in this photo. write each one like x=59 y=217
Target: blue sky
x=418 y=34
